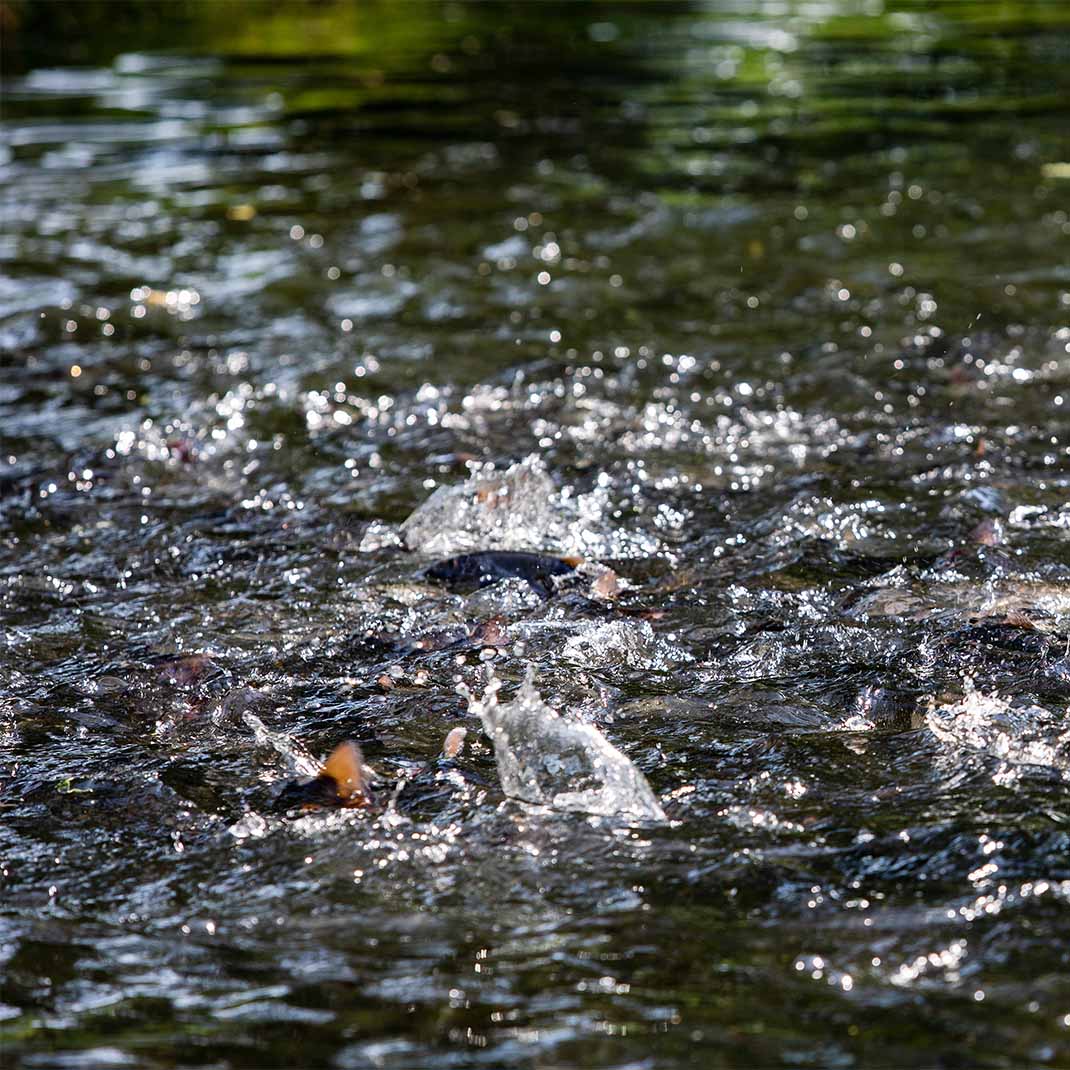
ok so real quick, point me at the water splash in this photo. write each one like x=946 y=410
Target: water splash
x=297 y=759
x=547 y=760
x=1020 y=736
x=519 y=509
x=623 y=642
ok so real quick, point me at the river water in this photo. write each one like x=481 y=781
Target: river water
x=775 y=295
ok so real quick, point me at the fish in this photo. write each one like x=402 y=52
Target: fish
x=488 y=633
x=485 y=567
x=343 y=782
x=187 y=670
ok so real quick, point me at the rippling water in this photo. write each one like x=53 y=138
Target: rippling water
x=777 y=293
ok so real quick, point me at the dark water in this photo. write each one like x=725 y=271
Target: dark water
x=782 y=290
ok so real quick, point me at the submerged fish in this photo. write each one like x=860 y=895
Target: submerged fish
x=187 y=670
x=489 y=566
x=488 y=633
x=343 y=781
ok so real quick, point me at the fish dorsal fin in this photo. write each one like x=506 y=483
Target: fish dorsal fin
x=345 y=767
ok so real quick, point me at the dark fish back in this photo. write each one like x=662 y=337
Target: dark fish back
x=489 y=566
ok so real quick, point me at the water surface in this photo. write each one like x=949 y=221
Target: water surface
x=780 y=290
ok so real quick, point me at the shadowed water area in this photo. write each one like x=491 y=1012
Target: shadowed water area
x=771 y=304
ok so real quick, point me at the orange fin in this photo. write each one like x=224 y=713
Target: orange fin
x=345 y=767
